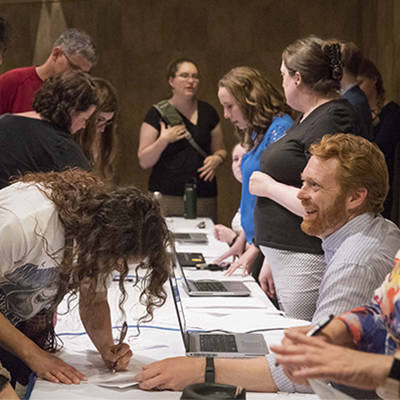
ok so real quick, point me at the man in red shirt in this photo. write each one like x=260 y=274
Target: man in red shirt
x=74 y=49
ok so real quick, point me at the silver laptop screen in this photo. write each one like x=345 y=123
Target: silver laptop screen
x=179 y=308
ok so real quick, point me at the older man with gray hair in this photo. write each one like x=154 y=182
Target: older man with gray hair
x=73 y=50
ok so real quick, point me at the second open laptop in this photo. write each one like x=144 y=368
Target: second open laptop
x=207 y=344
x=212 y=287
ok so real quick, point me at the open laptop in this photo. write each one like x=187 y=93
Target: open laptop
x=212 y=287
x=204 y=344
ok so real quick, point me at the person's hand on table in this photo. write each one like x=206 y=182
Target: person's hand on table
x=120 y=354
x=209 y=167
x=223 y=233
x=245 y=260
x=172 y=373
x=50 y=367
x=172 y=134
x=235 y=251
x=266 y=280
x=306 y=358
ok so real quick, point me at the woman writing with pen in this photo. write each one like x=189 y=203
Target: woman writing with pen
x=66 y=232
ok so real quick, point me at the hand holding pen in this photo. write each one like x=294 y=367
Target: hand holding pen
x=120 y=345
x=315 y=329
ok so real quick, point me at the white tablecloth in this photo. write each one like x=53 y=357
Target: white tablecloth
x=161 y=338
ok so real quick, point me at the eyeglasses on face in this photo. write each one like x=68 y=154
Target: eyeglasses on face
x=74 y=66
x=101 y=123
x=187 y=76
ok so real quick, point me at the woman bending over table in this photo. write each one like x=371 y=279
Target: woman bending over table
x=42 y=140
x=98 y=139
x=66 y=232
x=261 y=117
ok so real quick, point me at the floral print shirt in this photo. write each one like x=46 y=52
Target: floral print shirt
x=375 y=328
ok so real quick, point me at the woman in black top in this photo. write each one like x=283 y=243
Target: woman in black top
x=386 y=120
x=172 y=158
x=41 y=140
x=311 y=73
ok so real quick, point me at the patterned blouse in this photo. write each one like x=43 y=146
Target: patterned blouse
x=375 y=328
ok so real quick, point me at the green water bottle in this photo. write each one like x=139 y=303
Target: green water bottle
x=190 y=199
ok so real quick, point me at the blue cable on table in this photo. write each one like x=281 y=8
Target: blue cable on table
x=29 y=388
x=119 y=327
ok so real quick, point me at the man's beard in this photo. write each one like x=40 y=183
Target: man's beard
x=326 y=219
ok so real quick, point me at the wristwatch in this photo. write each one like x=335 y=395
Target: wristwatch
x=210 y=370
x=391 y=388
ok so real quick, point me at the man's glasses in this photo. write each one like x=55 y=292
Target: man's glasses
x=187 y=76
x=74 y=66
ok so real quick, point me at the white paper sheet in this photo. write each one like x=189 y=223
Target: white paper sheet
x=222 y=302
x=92 y=366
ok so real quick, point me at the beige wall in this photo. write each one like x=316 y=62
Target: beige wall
x=138 y=38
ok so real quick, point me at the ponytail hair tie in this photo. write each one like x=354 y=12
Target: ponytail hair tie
x=335 y=61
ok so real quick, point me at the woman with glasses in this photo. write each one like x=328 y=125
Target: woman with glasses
x=172 y=158
x=98 y=139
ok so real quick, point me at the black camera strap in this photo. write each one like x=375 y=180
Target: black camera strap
x=171 y=117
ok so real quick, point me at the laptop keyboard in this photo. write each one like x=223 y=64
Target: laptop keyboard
x=209 y=286
x=218 y=343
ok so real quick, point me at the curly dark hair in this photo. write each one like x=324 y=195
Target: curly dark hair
x=258 y=100
x=105 y=229
x=60 y=94
x=103 y=162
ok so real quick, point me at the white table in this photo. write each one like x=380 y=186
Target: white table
x=161 y=338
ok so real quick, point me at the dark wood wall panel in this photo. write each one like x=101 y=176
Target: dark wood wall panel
x=137 y=40
x=380 y=37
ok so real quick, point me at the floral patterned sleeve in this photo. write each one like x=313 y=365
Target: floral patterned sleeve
x=375 y=328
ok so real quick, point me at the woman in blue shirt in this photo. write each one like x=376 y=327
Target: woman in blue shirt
x=261 y=116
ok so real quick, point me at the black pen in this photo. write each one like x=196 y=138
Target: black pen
x=317 y=328
x=122 y=336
